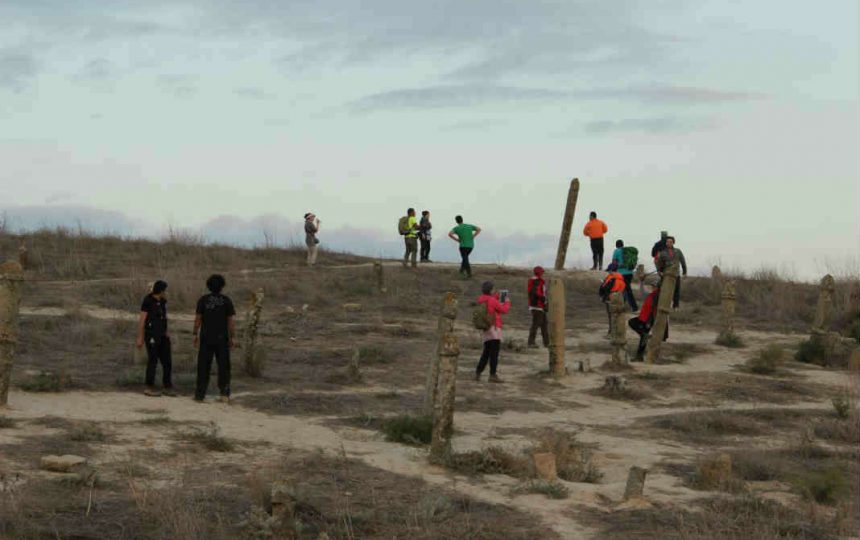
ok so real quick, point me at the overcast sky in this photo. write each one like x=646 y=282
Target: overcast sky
x=734 y=124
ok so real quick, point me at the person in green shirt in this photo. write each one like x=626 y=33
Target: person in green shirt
x=465 y=235
x=411 y=239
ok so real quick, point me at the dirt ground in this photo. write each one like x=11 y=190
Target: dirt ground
x=169 y=467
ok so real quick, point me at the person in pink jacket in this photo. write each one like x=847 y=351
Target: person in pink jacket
x=492 y=337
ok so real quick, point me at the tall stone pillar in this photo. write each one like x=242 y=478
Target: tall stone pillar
x=253 y=357
x=664 y=306
x=567 y=223
x=729 y=300
x=557 y=307
x=443 y=410
x=824 y=311
x=23 y=256
x=619 y=328
x=445 y=329
x=11 y=278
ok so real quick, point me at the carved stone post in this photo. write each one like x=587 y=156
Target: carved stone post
x=730 y=301
x=443 y=411
x=23 y=256
x=664 y=306
x=824 y=311
x=379 y=271
x=567 y=223
x=619 y=328
x=447 y=317
x=253 y=356
x=640 y=277
x=11 y=276
x=557 y=306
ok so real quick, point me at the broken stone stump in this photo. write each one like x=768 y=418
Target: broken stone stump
x=664 y=306
x=614 y=384
x=62 y=464
x=443 y=410
x=23 y=256
x=557 y=325
x=445 y=328
x=729 y=302
x=618 y=314
x=283 y=501
x=635 y=483
x=824 y=309
x=11 y=277
x=545 y=466
x=352 y=308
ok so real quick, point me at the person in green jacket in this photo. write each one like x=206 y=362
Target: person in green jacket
x=618 y=259
x=465 y=235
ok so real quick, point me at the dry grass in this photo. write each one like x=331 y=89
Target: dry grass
x=767 y=361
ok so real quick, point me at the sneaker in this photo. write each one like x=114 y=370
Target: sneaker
x=478 y=377
x=151 y=392
x=495 y=379
x=533 y=346
x=224 y=399
x=169 y=392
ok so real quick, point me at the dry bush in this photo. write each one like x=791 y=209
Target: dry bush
x=708 y=425
x=6 y=422
x=88 y=432
x=491 y=460
x=730 y=341
x=209 y=437
x=553 y=490
x=767 y=361
x=574 y=459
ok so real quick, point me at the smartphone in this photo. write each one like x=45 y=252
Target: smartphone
x=503 y=296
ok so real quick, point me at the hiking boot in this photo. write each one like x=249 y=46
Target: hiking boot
x=151 y=392
x=169 y=392
x=495 y=379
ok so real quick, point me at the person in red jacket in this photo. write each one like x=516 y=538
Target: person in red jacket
x=492 y=337
x=595 y=229
x=537 y=307
x=642 y=323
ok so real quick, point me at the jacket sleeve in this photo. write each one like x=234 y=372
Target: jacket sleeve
x=683 y=261
x=500 y=307
x=605 y=228
x=533 y=298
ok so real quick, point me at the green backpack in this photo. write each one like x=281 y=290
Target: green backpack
x=481 y=318
x=629 y=257
x=403 y=226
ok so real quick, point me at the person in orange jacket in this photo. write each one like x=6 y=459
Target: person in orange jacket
x=614 y=283
x=595 y=229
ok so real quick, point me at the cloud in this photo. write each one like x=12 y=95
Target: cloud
x=86 y=218
x=675 y=94
x=254 y=92
x=96 y=70
x=180 y=86
x=475 y=125
x=666 y=124
x=17 y=69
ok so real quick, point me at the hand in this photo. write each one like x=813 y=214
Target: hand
x=138 y=342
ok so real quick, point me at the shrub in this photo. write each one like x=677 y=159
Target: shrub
x=824 y=487
x=209 y=437
x=767 y=361
x=574 y=459
x=88 y=433
x=732 y=341
x=492 y=460
x=46 y=382
x=812 y=351
x=553 y=490
x=406 y=429
x=6 y=422
x=842 y=405
x=372 y=354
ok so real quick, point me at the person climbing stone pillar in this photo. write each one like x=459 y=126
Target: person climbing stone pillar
x=824 y=311
x=446 y=392
x=379 y=271
x=445 y=328
x=567 y=223
x=729 y=299
x=11 y=277
x=619 y=328
x=557 y=306
x=664 y=306
x=252 y=353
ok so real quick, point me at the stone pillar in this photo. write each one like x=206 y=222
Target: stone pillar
x=443 y=411
x=664 y=306
x=635 y=483
x=23 y=256
x=619 y=328
x=717 y=274
x=379 y=272
x=557 y=306
x=11 y=277
x=729 y=298
x=567 y=223
x=253 y=356
x=444 y=329
x=640 y=277
x=824 y=311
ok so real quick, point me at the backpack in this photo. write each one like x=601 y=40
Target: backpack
x=629 y=257
x=481 y=318
x=605 y=289
x=403 y=226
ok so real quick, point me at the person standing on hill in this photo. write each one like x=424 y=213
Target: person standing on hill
x=465 y=235
x=425 y=235
x=626 y=270
x=667 y=257
x=152 y=332
x=493 y=336
x=537 y=307
x=409 y=229
x=214 y=331
x=659 y=246
x=595 y=229
x=312 y=227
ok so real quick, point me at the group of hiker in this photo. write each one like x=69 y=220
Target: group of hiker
x=415 y=231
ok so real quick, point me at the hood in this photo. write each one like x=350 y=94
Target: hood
x=484 y=298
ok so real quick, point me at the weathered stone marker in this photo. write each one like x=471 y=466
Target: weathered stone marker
x=557 y=306
x=730 y=300
x=23 y=256
x=664 y=306
x=445 y=328
x=717 y=274
x=635 y=483
x=567 y=223
x=640 y=277
x=824 y=311
x=11 y=277
x=545 y=466
x=379 y=271
x=443 y=411
x=619 y=328
x=253 y=356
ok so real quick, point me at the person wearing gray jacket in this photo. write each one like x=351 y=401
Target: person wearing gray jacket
x=665 y=258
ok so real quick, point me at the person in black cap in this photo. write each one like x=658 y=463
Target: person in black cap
x=152 y=332
x=214 y=330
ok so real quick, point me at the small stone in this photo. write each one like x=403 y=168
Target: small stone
x=63 y=464
x=545 y=465
x=350 y=308
x=635 y=483
x=283 y=501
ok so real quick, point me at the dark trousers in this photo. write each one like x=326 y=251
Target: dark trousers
x=465 y=267
x=221 y=353
x=411 y=251
x=425 y=249
x=676 y=299
x=539 y=322
x=643 y=330
x=491 y=355
x=628 y=292
x=158 y=349
x=597 y=253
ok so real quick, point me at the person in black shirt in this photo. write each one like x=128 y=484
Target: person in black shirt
x=214 y=328
x=152 y=332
